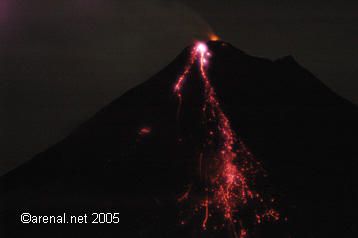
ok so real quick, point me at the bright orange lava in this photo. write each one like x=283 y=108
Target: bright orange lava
x=213 y=37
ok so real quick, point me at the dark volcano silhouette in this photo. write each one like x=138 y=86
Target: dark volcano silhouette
x=135 y=156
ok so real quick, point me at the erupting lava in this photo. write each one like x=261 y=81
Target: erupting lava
x=228 y=172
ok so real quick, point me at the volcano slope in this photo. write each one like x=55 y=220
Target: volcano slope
x=137 y=155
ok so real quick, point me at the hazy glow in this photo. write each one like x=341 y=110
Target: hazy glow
x=201 y=47
x=213 y=37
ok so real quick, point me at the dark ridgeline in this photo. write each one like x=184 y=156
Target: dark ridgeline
x=303 y=133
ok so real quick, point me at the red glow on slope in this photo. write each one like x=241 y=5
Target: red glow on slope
x=144 y=131
x=185 y=195
x=178 y=86
x=228 y=171
x=206 y=206
x=268 y=215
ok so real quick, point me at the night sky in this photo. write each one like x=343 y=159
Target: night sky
x=61 y=61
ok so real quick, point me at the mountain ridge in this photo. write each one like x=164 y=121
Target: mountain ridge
x=281 y=110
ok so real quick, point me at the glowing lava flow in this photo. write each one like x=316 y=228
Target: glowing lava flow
x=229 y=180
x=229 y=171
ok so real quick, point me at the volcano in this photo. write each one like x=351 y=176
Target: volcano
x=141 y=156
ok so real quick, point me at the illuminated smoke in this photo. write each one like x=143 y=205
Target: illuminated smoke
x=213 y=37
x=228 y=173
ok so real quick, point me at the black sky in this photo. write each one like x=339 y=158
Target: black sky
x=61 y=61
